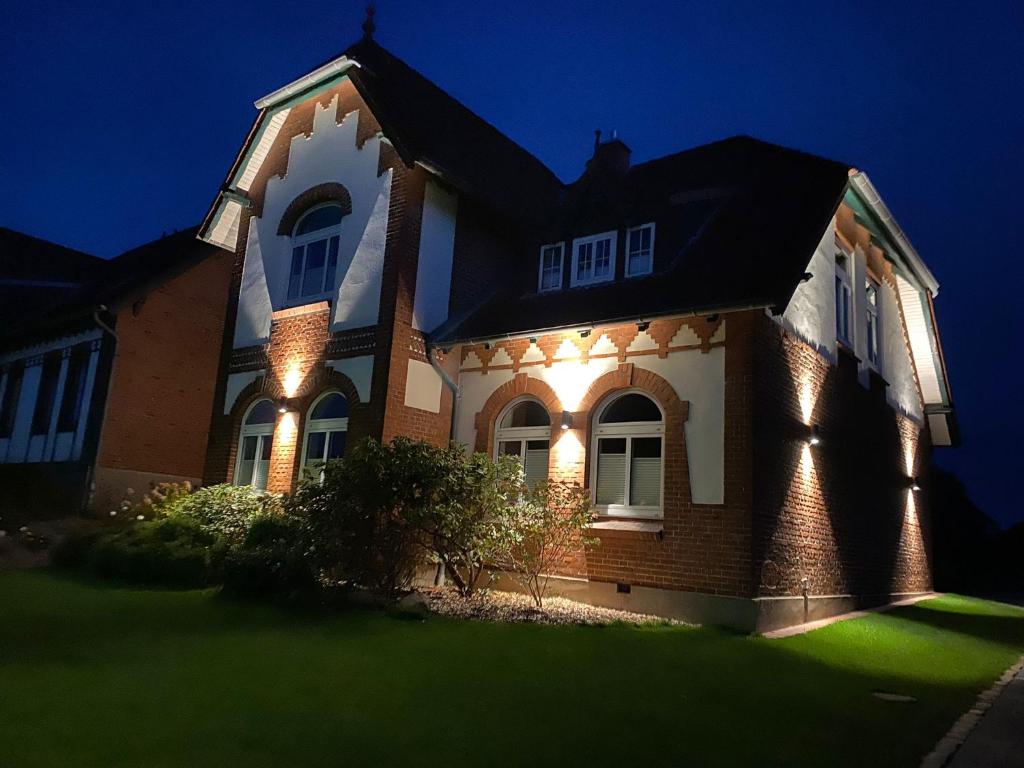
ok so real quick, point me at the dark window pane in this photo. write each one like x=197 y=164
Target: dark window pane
x=316 y=445
x=249 y=447
x=46 y=395
x=646 y=447
x=74 y=390
x=631 y=407
x=528 y=413
x=333 y=406
x=510 y=448
x=313 y=277
x=295 y=277
x=332 y=264
x=320 y=218
x=336 y=445
x=262 y=413
x=611 y=445
x=266 y=444
x=9 y=406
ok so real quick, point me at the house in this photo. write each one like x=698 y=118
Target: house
x=733 y=347
x=107 y=369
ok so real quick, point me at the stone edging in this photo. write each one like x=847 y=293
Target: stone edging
x=957 y=735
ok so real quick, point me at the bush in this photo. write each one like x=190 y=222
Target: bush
x=224 y=510
x=271 y=560
x=171 y=552
x=534 y=536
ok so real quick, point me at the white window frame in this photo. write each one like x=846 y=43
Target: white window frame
x=578 y=243
x=540 y=267
x=844 y=300
x=521 y=435
x=650 y=265
x=296 y=241
x=322 y=425
x=261 y=432
x=873 y=323
x=628 y=430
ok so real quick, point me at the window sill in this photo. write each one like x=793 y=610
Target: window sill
x=316 y=305
x=653 y=529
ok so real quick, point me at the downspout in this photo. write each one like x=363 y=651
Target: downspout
x=91 y=480
x=439 y=576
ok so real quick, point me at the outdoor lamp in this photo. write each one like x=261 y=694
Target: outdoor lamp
x=566 y=419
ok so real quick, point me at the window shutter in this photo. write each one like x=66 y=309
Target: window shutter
x=611 y=478
x=645 y=482
x=535 y=466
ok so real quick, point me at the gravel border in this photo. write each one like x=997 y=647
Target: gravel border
x=509 y=607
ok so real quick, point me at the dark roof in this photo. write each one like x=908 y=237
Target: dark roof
x=427 y=124
x=754 y=213
x=35 y=272
x=116 y=283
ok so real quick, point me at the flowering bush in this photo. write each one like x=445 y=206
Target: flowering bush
x=223 y=510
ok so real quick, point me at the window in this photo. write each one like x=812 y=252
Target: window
x=254 y=445
x=628 y=447
x=843 y=301
x=46 y=394
x=524 y=431
x=326 y=430
x=874 y=327
x=593 y=259
x=9 y=404
x=551 y=267
x=315 y=252
x=74 y=390
x=640 y=250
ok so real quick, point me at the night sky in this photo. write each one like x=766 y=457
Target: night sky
x=120 y=121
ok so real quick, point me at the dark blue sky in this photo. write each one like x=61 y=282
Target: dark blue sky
x=121 y=118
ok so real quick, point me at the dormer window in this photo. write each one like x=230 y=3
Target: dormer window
x=551 y=267
x=640 y=250
x=315 y=243
x=843 y=300
x=593 y=259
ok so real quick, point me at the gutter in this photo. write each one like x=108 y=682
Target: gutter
x=340 y=64
x=595 y=324
x=448 y=382
x=866 y=190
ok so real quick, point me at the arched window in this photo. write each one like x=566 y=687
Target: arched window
x=315 y=252
x=326 y=429
x=254 y=445
x=629 y=448
x=524 y=431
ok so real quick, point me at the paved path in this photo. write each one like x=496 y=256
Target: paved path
x=998 y=740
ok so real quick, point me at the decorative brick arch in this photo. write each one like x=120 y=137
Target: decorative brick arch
x=257 y=389
x=629 y=377
x=521 y=385
x=321 y=193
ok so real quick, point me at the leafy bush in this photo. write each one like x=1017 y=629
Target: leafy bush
x=536 y=535
x=171 y=551
x=224 y=510
x=271 y=560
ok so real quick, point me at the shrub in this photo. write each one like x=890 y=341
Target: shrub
x=535 y=535
x=271 y=560
x=223 y=510
x=171 y=551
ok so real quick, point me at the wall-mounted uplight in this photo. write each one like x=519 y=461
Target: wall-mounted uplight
x=566 y=419
x=815 y=438
x=643 y=326
x=584 y=333
x=285 y=406
x=914 y=485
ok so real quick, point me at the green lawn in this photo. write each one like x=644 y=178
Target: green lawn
x=97 y=675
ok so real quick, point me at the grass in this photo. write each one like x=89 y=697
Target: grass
x=99 y=675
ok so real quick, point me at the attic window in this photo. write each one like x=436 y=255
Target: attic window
x=593 y=259
x=551 y=267
x=640 y=250
x=315 y=244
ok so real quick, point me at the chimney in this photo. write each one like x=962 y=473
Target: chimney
x=610 y=157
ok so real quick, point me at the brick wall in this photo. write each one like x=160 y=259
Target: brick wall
x=836 y=518
x=164 y=372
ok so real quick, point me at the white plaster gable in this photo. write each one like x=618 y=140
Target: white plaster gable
x=642 y=342
x=501 y=357
x=810 y=314
x=566 y=350
x=533 y=354
x=359 y=371
x=436 y=254
x=604 y=346
x=235 y=384
x=897 y=367
x=685 y=337
x=328 y=155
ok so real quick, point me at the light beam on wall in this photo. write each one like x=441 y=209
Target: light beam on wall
x=292 y=378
